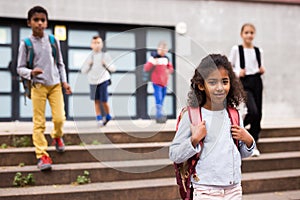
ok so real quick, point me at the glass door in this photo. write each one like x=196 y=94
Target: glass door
x=7 y=73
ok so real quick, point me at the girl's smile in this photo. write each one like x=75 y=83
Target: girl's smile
x=217 y=86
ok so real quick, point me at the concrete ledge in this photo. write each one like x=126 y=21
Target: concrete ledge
x=280 y=144
x=131 y=126
x=137 y=169
x=272 y=161
x=269 y=181
x=99 y=172
x=148 y=188
x=74 y=138
x=88 y=153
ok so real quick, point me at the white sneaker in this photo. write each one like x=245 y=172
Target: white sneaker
x=100 y=123
x=255 y=153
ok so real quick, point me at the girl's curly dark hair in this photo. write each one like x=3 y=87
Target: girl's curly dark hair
x=196 y=97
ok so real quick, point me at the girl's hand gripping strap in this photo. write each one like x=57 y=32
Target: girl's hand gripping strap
x=195 y=115
x=195 y=118
x=234 y=119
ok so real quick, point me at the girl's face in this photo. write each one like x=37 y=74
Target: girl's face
x=38 y=23
x=248 y=34
x=97 y=44
x=216 y=87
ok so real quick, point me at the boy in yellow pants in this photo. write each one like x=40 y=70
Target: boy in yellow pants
x=48 y=76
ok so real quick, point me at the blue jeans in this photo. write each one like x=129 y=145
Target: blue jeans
x=159 y=94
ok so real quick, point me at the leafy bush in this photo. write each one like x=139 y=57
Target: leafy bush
x=21 y=181
x=84 y=179
x=22 y=141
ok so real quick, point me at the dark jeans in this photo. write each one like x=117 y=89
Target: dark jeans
x=253 y=87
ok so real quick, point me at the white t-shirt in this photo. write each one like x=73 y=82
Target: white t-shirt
x=251 y=64
x=94 y=68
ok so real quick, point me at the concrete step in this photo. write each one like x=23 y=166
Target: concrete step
x=270 y=181
x=152 y=189
x=129 y=151
x=134 y=164
x=88 y=153
x=280 y=132
x=76 y=137
x=272 y=161
x=136 y=169
x=282 y=195
x=279 y=144
x=148 y=189
x=90 y=137
x=99 y=172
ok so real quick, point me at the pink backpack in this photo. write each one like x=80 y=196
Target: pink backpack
x=183 y=171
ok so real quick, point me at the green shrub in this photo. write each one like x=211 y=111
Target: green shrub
x=21 y=181
x=95 y=142
x=21 y=164
x=22 y=141
x=84 y=179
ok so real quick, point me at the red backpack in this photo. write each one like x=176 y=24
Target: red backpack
x=183 y=171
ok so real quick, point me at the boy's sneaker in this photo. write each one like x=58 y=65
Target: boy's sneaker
x=100 y=123
x=59 y=144
x=44 y=163
x=161 y=120
x=107 y=119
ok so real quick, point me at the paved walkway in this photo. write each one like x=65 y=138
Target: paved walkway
x=91 y=126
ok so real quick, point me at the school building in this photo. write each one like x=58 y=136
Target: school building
x=131 y=29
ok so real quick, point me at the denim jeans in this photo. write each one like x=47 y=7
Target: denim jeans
x=159 y=94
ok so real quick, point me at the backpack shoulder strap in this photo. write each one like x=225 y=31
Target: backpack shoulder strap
x=30 y=53
x=234 y=119
x=104 y=65
x=234 y=116
x=195 y=118
x=195 y=115
x=54 y=47
x=258 y=57
x=180 y=117
x=242 y=57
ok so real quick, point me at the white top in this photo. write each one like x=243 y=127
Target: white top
x=220 y=160
x=251 y=64
x=93 y=67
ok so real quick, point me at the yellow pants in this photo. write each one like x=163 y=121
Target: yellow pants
x=39 y=95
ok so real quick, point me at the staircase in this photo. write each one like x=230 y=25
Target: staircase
x=129 y=160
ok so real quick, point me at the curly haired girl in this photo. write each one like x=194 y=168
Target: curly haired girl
x=214 y=87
